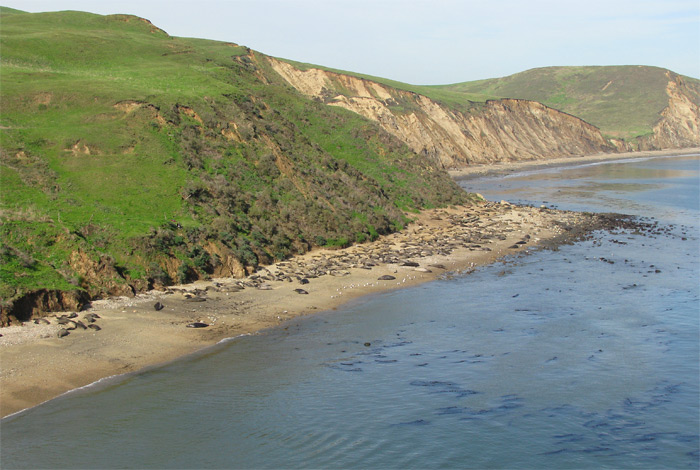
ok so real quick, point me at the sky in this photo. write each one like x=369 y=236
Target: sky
x=431 y=42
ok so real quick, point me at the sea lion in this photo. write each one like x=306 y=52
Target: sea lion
x=230 y=289
x=62 y=332
x=386 y=277
x=197 y=324
x=300 y=291
x=158 y=306
x=94 y=327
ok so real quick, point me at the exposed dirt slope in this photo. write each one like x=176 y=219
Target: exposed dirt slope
x=498 y=130
x=679 y=125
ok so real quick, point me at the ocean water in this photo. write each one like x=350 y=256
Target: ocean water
x=583 y=357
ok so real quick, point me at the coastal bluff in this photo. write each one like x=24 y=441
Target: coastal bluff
x=497 y=131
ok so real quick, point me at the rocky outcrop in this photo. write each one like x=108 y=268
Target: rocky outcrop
x=679 y=124
x=498 y=130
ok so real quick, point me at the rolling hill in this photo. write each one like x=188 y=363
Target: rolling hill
x=131 y=159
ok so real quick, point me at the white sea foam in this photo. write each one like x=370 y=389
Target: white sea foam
x=226 y=340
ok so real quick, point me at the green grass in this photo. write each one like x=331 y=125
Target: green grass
x=116 y=143
x=139 y=150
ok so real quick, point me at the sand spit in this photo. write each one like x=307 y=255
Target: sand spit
x=121 y=335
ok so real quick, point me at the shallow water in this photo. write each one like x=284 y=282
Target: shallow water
x=584 y=357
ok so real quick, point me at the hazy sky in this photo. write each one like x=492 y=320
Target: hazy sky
x=431 y=41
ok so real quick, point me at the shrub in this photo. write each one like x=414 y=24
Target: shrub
x=184 y=273
x=158 y=275
x=201 y=259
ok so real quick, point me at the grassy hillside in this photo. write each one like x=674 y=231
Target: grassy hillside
x=623 y=101
x=132 y=157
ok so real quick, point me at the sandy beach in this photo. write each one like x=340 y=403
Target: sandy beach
x=512 y=167
x=38 y=365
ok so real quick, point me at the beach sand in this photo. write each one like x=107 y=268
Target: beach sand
x=512 y=167
x=36 y=365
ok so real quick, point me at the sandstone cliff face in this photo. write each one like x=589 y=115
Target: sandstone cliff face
x=679 y=124
x=500 y=130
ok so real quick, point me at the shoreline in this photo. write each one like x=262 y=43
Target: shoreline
x=499 y=169
x=38 y=366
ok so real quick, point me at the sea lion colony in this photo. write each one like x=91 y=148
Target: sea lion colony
x=465 y=227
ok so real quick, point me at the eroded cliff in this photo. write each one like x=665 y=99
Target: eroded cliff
x=498 y=130
x=679 y=124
